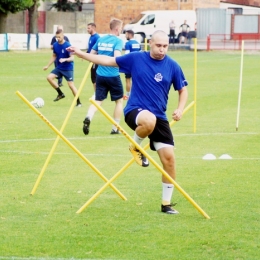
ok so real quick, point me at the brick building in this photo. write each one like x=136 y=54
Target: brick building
x=127 y=10
x=253 y=3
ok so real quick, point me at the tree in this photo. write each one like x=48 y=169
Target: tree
x=11 y=6
x=67 y=5
x=33 y=16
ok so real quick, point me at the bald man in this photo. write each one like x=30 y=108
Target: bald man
x=153 y=73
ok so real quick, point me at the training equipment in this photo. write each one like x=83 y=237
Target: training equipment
x=240 y=84
x=209 y=156
x=38 y=102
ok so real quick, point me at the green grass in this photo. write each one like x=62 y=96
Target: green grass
x=46 y=226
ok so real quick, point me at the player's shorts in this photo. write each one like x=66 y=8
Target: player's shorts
x=109 y=84
x=184 y=34
x=162 y=132
x=67 y=74
x=128 y=76
x=93 y=73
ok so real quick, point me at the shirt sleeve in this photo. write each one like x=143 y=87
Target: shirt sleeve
x=53 y=40
x=179 y=81
x=119 y=45
x=125 y=63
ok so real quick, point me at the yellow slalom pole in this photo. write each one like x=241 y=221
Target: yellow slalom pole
x=61 y=130
x=195 y=85
x=109 y=182
x=145 y=44
x=240 y=84
x=123 y=169
x=69 y=144
x=178 y=187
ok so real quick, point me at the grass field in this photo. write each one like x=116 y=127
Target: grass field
x=46 y=226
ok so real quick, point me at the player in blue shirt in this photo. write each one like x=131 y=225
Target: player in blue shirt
x=130 y=46
x=107 y=77
x=153 y=74
x=94 y=36
x=65 y=66
x=53 y=40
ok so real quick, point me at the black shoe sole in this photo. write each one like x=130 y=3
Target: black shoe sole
x=86 y=123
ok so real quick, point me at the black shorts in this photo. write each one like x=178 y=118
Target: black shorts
x=109 y=84
x=128 y=76
x=162 y=132
x=93 y=73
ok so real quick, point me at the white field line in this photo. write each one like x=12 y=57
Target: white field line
x=112 y=137
x=48 y=258
x=118 y=155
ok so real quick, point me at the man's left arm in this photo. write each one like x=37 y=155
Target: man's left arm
x=69 y=59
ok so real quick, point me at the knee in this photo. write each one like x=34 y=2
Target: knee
x=168 y=160
x=49 y=78
x=149 y=123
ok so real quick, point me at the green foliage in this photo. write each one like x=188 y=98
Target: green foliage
x=14 y=6
x=66 y=5
x=46 y=226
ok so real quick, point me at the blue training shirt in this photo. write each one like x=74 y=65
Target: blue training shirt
x=107 y=45
x=151 y=81
x=92 y=41
x=132 y=45
x=61 y=52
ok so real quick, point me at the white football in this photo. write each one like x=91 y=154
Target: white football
x=38 y=102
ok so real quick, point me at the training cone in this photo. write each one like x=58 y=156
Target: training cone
x=225 y=157
x=209 y=156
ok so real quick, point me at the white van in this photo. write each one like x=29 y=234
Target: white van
x=149 y=21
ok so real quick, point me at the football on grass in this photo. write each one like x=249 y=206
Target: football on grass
x=38 y=102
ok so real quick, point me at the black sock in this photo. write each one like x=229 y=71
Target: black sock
x=59 y=91
x=78 y=101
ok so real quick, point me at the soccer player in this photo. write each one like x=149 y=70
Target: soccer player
x=65 y=66
x=130 y=46
x=94 y=36
x=53 y=40
x=153 y=73
x=107 y=77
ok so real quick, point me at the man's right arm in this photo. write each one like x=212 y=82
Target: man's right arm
x=96 y=59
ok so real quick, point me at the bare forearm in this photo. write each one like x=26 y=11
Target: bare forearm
x=183 y=97
x=51 y=61
x=96 y=59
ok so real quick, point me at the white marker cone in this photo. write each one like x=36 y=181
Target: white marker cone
x=225 y=157
x=209 y=156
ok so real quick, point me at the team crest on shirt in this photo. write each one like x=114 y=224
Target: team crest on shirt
x=158 y=77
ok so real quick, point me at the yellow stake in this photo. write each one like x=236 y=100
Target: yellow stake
x=195 y=85
x=178 y=187
x=61 y=130
x=123 y=169
x=69 y=144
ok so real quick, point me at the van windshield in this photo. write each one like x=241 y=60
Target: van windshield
x=139 y=17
